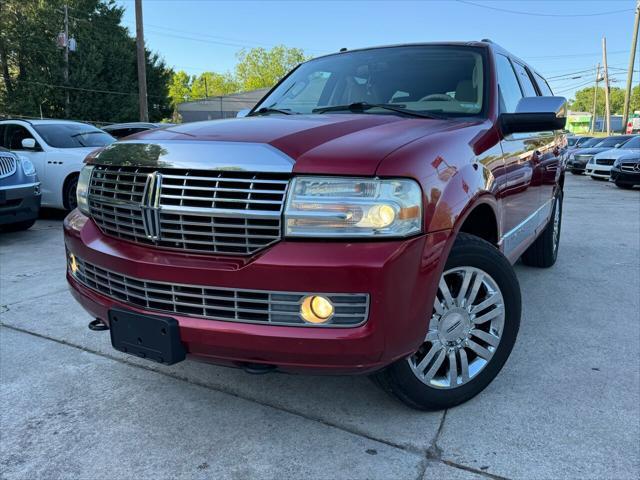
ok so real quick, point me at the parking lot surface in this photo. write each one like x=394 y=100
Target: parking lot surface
x=566 y=405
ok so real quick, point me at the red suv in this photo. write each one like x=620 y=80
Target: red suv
x=362 y=219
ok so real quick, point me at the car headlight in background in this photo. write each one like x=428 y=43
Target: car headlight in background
x=353 y=207
x=82 y=191
x=27 y=166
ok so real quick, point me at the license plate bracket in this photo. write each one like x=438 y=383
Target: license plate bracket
x=146 y=336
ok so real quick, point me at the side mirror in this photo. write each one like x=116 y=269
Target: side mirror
x=243 y=113
x=28 y=143
x=535 y=114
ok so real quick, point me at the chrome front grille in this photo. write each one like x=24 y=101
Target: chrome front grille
x=8 y=164
x=248 y=306
x=604 y=161
x=226 y=212
x=583 y=158
x=630 y=167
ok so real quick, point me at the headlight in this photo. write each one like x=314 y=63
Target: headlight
x=82 y=191
x=27 y=166
x=353 y=207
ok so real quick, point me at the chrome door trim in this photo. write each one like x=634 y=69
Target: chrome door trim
x=526 y=228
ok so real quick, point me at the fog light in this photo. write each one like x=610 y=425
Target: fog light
x=316 y=309
x=73 y=264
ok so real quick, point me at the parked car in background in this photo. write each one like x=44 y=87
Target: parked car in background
x=363 y=218
x=121 y=130
x=19 y=192
x=576 y=141
x=57 y=148
x=625 y=172
x=578 y=160
x=600 y=164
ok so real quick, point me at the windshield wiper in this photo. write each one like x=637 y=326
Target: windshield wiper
x=85 y=133
x=364 y=106
x=267 y=110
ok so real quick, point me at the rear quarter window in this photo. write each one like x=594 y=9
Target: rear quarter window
x=544 y=87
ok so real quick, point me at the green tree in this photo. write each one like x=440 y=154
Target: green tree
x=261 y=68
x=211 y=84
x=583 y=101
x=179 y=88
x=102 y=72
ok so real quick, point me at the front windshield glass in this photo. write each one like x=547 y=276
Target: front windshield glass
x=444 y=80
x=633 y=143
x=612 y=141
x=592 y=142
x=73 y=135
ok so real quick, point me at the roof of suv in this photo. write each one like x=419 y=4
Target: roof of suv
x=41 y=122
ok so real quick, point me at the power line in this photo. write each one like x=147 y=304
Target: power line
x=536 y=14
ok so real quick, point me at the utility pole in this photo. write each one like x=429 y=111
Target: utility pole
x=595 y=97
x=607 y=108
x=632 y=59
x=66 y=60
x=142 y=71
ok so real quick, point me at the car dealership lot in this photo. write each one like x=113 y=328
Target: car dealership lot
x=567 y=403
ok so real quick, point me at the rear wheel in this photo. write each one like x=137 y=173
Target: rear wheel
x=543 y=253
x=473 y=327
x=69 y=193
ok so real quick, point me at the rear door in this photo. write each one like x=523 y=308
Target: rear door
x=520 y=195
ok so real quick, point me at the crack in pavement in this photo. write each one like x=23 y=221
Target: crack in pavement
x=54 y=292
x=432 y=454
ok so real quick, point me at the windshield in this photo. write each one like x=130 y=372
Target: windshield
x=445 y=80
x=73 y=135
x=633 y=143
x=612 y=141
x=592 y=142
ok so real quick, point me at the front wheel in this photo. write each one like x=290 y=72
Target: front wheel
x=472 y=330
x=577 y=172
x=69 y=193
x=624 y=186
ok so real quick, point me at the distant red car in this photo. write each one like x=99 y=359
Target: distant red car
x=363 y=218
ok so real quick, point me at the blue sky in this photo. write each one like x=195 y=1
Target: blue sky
x=200 y=35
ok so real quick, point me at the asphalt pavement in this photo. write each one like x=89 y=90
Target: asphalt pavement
x=566 y=405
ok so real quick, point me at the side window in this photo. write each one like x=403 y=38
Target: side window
x=14 y=136
x=525 y=81
x=3 y=129
x=543 y=86
x=510 y=93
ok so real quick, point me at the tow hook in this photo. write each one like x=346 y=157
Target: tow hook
x=98 y=325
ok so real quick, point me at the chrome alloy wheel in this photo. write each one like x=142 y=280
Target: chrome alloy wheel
x=465 y=329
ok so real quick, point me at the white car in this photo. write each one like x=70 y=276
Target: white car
x=57 y=148
x=599 y=166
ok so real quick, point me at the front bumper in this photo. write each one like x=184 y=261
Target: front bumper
x=19 y=203
x=600 y=171
x=628 y=178
x=400 y=277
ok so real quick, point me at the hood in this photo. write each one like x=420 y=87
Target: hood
x=326 y=143
x=616 y=153
x=590 y=151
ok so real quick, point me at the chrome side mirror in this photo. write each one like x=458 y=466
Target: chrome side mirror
x=28 y=143
x=536 y=114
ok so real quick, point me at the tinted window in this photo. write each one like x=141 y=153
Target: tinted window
x=571 y=141
x=73 y=135
x=510 y=92
x=525 y=81
x=543 y=86
x=613 y=141
x=592 y=142
x=446 y=80
x=633 y=143
x=582 y=141
x=14 y=136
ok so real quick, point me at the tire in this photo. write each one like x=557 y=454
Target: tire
x=405 y=378
x=577 y=172
x=543 y=253
x=19 y=226
x=69 y=193
x=624 y=186
x=596 y=178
